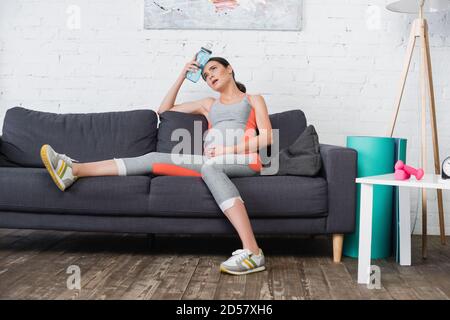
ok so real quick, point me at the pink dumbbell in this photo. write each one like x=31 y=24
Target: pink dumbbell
x=401 y=174
x=418 y=173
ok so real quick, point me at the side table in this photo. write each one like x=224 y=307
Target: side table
x=430 y=181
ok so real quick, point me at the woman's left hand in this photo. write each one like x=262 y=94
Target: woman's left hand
x=214 y=151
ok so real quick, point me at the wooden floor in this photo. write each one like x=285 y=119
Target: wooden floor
x=33 y=265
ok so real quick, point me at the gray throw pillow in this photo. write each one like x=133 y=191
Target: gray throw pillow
x=303 y=156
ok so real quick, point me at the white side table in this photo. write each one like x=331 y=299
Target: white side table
x=429 y=181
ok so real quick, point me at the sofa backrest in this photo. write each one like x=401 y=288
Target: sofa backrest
x=98 y=136
x=85 y=137
x=172 y=120
x=290 y=124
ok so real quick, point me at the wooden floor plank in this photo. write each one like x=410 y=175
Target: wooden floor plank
x=149 y=279
x=421 y=286
x=204 y=280
x=284 y=278
x=339 y=281
x=437 y=268
x=110 y=258
x=177 y=278
x=316 y=282
x=81 y=251
x=123 y=276
x=17 y=267
x=48 y=273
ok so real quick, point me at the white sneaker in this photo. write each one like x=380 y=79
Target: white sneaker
x=59 y=166
x=243 y=261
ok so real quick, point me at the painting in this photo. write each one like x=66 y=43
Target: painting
x=223 y=14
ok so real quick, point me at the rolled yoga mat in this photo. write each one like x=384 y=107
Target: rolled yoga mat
x=376 y=156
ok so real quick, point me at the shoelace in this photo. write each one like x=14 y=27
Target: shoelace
x=67 y=158
x=242 y=253
x=239 y=251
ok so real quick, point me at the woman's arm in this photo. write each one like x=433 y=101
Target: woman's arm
x=196 y=107
x=264 y=138
x=169 y=100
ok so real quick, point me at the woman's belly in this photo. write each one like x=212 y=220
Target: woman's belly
x=224 y=134
x=227 y=133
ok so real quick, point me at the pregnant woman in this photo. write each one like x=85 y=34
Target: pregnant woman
x=234 y=114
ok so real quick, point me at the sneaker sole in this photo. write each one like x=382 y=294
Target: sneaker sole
x=239 y=273
x=49 y=168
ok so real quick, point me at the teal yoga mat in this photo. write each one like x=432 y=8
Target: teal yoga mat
x=376 y=156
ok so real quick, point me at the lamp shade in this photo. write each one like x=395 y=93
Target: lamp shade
x=413 y=6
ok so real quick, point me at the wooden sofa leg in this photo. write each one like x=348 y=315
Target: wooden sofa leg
x=338 y=241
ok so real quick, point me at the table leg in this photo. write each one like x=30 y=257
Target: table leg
x=405 y=226
x=365 y=233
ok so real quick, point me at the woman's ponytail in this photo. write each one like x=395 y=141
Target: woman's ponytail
x=241 y=86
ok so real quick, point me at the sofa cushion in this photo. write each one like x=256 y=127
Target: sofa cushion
x=303 y=156
x=84 y=137
x=264 y=196
x=290 y=124
x=32 y=190
x=193 y=124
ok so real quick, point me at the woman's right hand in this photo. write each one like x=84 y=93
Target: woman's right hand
x=191 y=66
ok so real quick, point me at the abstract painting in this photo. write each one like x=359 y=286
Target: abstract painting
x=223 y=14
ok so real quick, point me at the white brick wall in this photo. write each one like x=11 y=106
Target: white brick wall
x=342 y=69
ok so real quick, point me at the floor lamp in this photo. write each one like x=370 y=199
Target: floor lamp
x=420 y=30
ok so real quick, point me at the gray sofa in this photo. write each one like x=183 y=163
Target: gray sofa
x=324 y=204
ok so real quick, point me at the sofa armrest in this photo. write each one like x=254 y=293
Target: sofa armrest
x=339 y=168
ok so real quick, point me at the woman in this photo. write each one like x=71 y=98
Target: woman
x=234 y=111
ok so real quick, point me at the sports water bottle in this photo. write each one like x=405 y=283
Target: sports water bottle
x=202 y=58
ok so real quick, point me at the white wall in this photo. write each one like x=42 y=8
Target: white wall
x=342 y=69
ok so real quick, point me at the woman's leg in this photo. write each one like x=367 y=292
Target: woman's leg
x=141 y=165
x=160 y=163
x=98 y=168
x=64 y=171
x=238 y=216
x=216 y=173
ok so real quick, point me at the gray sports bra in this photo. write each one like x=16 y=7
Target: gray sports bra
x=230 y=124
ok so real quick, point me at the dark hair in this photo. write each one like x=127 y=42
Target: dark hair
x=225 y=63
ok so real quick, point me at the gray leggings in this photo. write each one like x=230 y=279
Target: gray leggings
x=215 y=171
